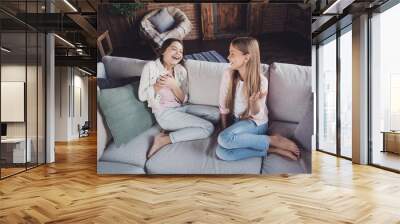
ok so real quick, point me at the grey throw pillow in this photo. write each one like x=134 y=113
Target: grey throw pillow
x=290 y=86
x=162 y=20
x=124 y=114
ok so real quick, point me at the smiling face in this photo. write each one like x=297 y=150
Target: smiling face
x=173 y=54
x=237 y=59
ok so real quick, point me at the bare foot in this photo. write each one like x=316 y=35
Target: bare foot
x=163 y=131
x=281 y=142
x=284 y=153
x=160 y=141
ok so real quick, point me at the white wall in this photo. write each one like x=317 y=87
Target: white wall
x=50 y=94
x=16 y=73
x=33 y=126
x=70 y=83
x=62 y=81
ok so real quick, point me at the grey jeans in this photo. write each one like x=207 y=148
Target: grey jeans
x=189 y=122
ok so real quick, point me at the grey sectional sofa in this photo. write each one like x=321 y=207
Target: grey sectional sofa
x=290 y=107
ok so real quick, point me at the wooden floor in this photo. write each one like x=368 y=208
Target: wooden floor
x=387 y=159
x=70 y=191
x=10 y=171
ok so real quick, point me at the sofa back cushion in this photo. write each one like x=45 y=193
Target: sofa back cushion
x=121 y=67
x=205 y=79
x=289 y=91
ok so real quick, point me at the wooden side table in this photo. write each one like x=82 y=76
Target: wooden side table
x=391 y=141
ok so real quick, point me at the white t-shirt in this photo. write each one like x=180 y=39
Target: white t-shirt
x=240 y=102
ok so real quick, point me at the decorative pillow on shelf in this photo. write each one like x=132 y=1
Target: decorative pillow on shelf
x=162 y=20
x=124 y=114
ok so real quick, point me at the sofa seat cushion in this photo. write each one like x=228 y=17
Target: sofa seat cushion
x=134 y=152
x=289 y=91
x=198 y=157
x=118 y=168
x=276 y=164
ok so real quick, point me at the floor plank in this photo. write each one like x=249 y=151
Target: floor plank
x=70 y=191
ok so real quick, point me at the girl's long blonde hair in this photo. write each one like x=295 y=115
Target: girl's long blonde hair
x=252 y=81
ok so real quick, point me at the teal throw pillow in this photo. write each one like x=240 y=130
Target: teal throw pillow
x=125 y=115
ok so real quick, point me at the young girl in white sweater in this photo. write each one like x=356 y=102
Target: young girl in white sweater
x=164 y=85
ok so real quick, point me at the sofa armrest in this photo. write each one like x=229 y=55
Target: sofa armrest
x=101 y=71
x=122 y=67
x=305 y=130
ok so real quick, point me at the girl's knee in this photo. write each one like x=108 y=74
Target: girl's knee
x=224 y=139
x=208 y=129
x=223 y=154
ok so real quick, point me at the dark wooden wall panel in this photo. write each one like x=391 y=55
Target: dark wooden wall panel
x=263 y=19
x=92 y=98
x=274 y=18
x=299 y=21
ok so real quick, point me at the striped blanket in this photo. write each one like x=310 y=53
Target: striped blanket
x=212 y=56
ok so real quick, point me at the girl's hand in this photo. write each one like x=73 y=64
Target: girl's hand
x=157 y=86
x=254 y=98
x=257 y=96
x=168 y=81
x=246 y=117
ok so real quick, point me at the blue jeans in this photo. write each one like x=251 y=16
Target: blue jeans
x=188 y=122
x=242 y=140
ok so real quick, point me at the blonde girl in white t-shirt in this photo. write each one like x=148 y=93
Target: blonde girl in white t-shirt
x=243 y=93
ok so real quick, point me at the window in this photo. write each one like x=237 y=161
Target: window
x=22 y=75
x=394 y=101
x=327 y=96
x=385 y=87
x=346 y=93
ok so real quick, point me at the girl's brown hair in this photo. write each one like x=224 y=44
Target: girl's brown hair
x=252 y=81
